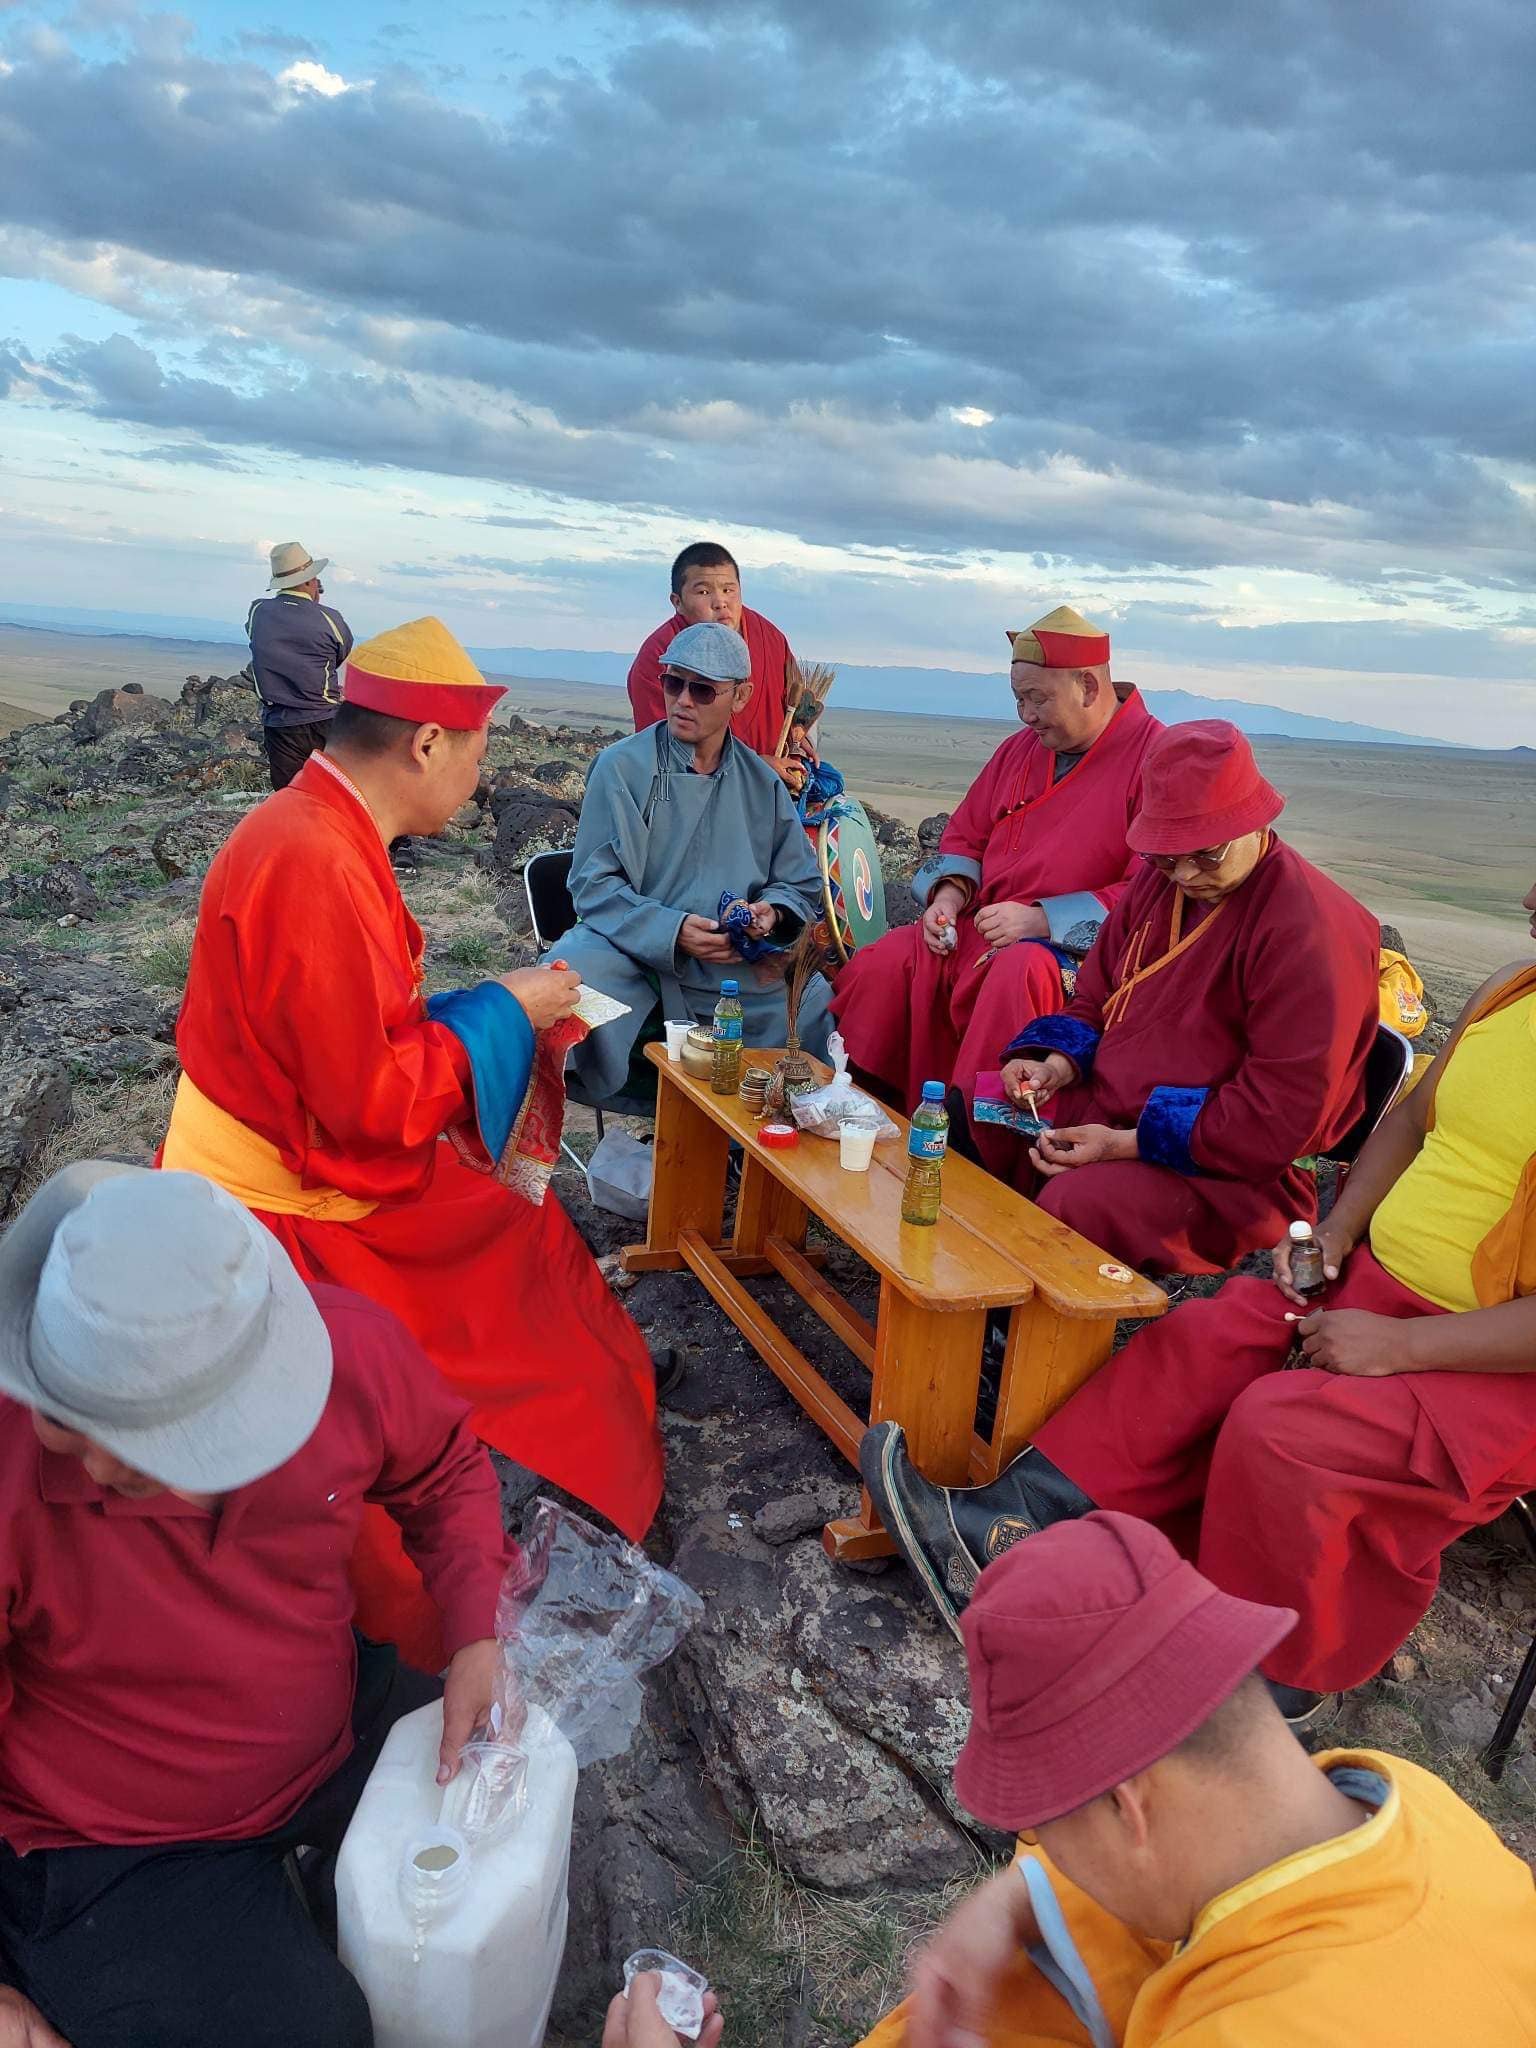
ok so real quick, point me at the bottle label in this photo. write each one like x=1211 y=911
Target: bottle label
x=728 y=1029
x=926 y=1144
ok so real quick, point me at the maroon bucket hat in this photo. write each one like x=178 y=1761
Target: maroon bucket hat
x=1200 y=786
x=1094 y=1649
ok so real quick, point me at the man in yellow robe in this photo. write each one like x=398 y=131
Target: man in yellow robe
x=1190 y=1876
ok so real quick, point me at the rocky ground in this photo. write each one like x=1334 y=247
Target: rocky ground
x=784 y=1818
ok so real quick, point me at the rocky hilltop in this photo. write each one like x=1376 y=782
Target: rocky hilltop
x=785 y=1816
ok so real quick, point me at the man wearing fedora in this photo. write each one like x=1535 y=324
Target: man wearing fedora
x=1189 y=1874
x=188 y=1435
x=298 y=646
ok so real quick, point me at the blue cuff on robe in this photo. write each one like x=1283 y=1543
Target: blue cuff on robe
x=1166 y=1125
x=493 y=1028
x=942 y=867
x=1069 y=1035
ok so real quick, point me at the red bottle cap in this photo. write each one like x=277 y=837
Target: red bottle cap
x=778 y=1137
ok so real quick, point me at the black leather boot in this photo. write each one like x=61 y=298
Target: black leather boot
x=1308 y=1715
x=948 y=1534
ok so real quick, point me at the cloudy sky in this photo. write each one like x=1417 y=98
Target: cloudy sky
x=1215 y=320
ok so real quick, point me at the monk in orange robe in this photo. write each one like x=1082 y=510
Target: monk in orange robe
x=320 y=1086
x=1189 y=1875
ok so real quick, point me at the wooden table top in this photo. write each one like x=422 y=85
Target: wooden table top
x=991 y=1247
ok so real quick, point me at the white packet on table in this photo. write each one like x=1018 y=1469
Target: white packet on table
x=822 y=1110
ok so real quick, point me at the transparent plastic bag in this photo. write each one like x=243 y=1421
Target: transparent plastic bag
x=580 y=1618
x=822 y=1110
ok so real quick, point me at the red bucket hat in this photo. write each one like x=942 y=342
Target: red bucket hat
x=1200 y=785
x=1094 y=1649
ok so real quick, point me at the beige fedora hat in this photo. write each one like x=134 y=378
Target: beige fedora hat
x=152 y=1313
x=292 y=565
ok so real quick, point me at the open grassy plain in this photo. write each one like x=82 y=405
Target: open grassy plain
x=1437 y=840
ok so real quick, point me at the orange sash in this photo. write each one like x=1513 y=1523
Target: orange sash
x=206 y=1139
x=1504 y=1264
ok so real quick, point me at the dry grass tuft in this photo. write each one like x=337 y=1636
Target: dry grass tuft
x=124 y=1120
x=789 y=1962
x=163 y=959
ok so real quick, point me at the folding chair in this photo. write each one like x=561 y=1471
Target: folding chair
x=547 y=886
x=1387 y=1067
x=1496 y=1755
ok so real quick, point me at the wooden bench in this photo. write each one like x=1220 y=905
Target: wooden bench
x=990 y=1249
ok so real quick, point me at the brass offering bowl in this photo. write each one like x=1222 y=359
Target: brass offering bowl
x=754 y=1089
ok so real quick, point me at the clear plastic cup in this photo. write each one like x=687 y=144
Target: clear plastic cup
x=856 y=1143
x=677 y=1030
x=681 y=1998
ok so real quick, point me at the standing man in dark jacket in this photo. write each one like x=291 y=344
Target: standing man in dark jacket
x=298 y=646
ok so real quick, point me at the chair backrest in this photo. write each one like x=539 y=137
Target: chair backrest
x=1387 y=1066
x=547 y=884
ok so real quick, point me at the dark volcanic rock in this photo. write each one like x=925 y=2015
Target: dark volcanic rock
x=930 y=832
x=112 y=708
x=888 y=831
x=85 y=1014
x=826 y=1707
x=61 y=890
x=185 y=845
x=34 y=1103
x=529 y=825
x=553 y=771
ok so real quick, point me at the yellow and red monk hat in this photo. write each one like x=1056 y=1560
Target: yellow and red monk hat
x=421 y=673
x=1062 y=639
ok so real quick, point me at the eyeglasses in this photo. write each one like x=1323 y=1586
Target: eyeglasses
x=1209 y=858
x=700 y=692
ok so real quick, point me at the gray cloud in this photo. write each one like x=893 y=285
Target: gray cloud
x=1252 y=275
x=189 y=455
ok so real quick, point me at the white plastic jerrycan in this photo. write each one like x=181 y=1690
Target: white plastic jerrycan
x=455 y=1928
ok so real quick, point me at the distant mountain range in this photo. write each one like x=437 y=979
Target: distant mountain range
x=942 y=692
x=924 y=692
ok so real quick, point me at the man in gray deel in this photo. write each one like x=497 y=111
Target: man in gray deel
x=298 y=646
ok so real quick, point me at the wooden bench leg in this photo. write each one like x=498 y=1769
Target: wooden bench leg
x=1047 y=1359
x=765 y=1208
x=687 y=1181
x=927 y=1369
x=852 y=1538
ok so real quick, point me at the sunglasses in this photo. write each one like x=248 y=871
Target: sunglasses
x=700 y=692
x=1209 y=857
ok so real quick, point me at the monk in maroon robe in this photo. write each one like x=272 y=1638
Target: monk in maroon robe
x=1314 y=1453
x=1026 y=871
x=1218 y=1034
x=706 y=589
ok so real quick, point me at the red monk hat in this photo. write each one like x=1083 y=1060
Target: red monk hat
x=420 y=672
x=1062 y=639
x=1200 y=786
x=1094 y=1649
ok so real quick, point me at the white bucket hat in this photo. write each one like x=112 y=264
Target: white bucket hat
x=156 y=1316
x=291 y=565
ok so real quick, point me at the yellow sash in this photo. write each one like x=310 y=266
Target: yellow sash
x=206 y=1139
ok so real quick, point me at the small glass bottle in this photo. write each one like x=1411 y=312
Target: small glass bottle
x=1307 y=1274
x=927 y=1143
x=725 y=1077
